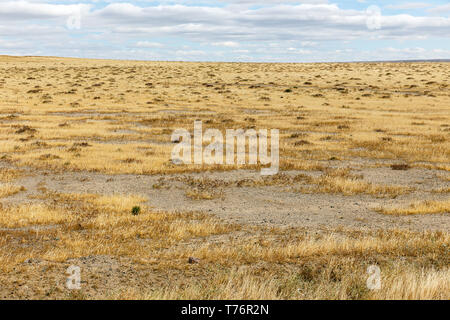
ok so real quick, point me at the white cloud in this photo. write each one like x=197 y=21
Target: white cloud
x=407 y=50
x=308 y=44
x=241 y=51
x=230 y=44
x=445 y=8
x=409 y=5
x=271 y=28
x=147 y=44
x=25 y=10
x=299 y=51
x=189 y=53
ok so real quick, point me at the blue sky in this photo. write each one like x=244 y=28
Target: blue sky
x=228 y=30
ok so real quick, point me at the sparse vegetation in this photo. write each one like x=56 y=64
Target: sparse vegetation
x=86 y=179
x=136 y=210
x=424 y=207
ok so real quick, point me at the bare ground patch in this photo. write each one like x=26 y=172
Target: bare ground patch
x=245 y=197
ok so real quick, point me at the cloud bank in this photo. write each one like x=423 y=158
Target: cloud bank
x=224 y=30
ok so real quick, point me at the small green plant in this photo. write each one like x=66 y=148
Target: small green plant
x=136 y=210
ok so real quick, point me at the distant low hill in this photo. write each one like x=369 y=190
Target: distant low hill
x=416 y=60
x=9 y=57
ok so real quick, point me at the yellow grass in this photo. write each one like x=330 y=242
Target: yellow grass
x=424 y=207
x=342 y=181
x=29 y=215
x=117 y=203
x=9 y=175
x=128 y=123
x=7 y=190
x=242 y=284
x=416 y=285
x=116 y=117
x=260 y=263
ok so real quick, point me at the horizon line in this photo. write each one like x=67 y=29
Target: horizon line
x=416 y=60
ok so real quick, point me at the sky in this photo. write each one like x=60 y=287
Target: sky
x=228 y=30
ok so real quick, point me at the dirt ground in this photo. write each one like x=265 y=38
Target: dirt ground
x=260 y=205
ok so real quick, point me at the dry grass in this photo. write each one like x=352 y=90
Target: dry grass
x=242 y=284
x=31 y=215
x=247 y=262
x=238 y=284
x=314 y=269
x=114 y=122
x=196 y=194
x=117 y=117
x=424 y=207
x=117 y=203
x=414 y=285
x=7 y=190
x=344 y=182
x=441 y=190
x=9 y=175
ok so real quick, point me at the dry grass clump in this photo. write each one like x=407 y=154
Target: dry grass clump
x=424 y=207
x=196 y=194
x=344 y=182
x=441 y=190
x=117 y=203
x=401 y=166
x=203 y=188
x=32 y=214
x=7 y=189
x=416 y=285
x=279 y=179
x=9 y=175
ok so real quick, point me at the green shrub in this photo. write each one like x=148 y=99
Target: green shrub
x=136 y=210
